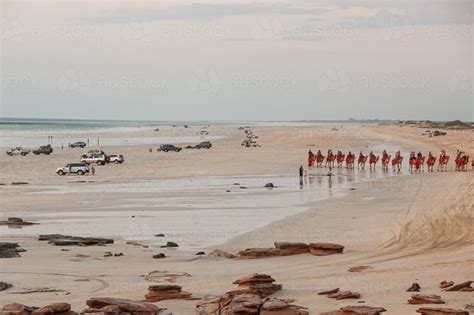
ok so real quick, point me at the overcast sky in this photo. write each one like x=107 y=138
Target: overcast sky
x=238 y=60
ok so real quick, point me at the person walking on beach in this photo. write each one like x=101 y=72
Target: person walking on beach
x=301 y=172
x=87 y=142
x=92 y=170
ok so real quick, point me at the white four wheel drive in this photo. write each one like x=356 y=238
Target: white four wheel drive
x=73 y=168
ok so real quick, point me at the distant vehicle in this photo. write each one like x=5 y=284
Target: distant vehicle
x=78 y=144
x=116 y=158
x=44 y=149
x=73 y=168
x=18 y=151
x=249 y=143
x=427 y=133
x=93 y=151
x=204 y=145
x=99 y=159
x=169 y=147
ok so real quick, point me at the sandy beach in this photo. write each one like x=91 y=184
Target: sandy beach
x=406 y=227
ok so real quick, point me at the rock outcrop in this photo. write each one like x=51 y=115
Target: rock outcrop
x=425 y=299
x=15 y=222
x=356 y=310
x=246 y=304
x=460 y=287
x=342 y=295
x=120 y=306
x=68 y=240
x=324 y=249
x=9 y=250
x=249 y=253
x=440 y=311
x=291 y=248
x=446 y=284
x=55 y=308
x=212 y=305
x=222 y=253
x=162 y=292
x=243 y=304
x=280 y=307
x=17 y=309
x=257 y=284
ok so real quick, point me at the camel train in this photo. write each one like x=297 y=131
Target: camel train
x=416 y=162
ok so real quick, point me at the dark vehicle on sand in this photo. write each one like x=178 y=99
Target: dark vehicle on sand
x=44 y=149
x=169 y=147
x=78 y=144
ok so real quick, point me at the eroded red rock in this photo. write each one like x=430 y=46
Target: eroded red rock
x=446 y=284
x=425 y=299
x=328 y=291
x=55 y=308
x=359 y=268
x=212 y=305
x=280 y=307
x=222 y=253
x=357 y=310
x=165 y=292
x=259 y=252
x=342 y=295
x=17 y=309
x=460 y=286
x=258 y=284
x=124 y=305
x=292 y=248
x=324 y=249
x=243 y=304
x=440 y=311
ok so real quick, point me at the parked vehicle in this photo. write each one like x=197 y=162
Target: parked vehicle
x=99 y=159
x=18 y=151
x=116 y=158
x=44 y=149
x=78 y=144
x=73 y=168
x=169 y=147
x=95 y=151
x=204 y=145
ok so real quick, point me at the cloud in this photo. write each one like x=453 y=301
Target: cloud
x=203 y=12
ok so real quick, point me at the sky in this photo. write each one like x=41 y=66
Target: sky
x=237 y=59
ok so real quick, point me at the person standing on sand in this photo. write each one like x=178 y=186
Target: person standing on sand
x=92 y=170
x=301 y=171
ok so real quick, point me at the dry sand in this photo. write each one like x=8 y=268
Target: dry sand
x=413 y=228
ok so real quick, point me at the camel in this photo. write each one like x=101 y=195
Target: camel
x=350 y=160
x=397 y=162
x=311 y=159
x=412 y=162
x=417 y=162
x=361 y=161
x=461 y=161
x=443 y=161
x=385 y=161
x=330 y=159
x=430 y=162
x=373 y=159
x=319 y=159
x=340 y=158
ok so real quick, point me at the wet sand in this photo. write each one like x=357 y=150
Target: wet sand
x=409 y=228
